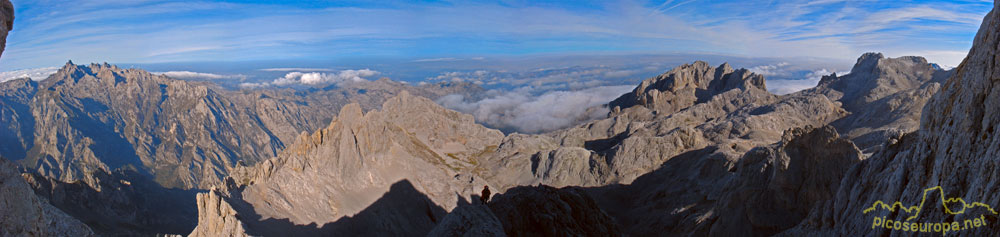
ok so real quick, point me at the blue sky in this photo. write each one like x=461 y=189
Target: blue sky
x=47 y=33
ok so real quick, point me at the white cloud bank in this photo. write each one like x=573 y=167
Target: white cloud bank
x=782 y=87
x=316 y=78
x=36 y=74
x=770 y=70
x=520 y=111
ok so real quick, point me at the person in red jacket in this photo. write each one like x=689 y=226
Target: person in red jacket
x=486 y=194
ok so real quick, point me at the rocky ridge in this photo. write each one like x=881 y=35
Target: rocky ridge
x=734 y=114
x=217 y=217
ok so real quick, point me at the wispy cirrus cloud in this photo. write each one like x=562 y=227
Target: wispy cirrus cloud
x=169 y=31
x=198 y=75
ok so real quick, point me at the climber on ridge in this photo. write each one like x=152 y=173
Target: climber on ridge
x=486 y=194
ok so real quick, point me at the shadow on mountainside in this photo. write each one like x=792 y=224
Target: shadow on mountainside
x=128 y=203
x=626 y=203
x=403 y=211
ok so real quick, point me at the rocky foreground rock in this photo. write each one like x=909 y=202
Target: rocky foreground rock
x=25 y=214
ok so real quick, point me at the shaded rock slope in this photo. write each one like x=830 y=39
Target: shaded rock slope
x=25 y=214
x=771 y=188
x=547 y=211
x=955 y=149
x=469 y=220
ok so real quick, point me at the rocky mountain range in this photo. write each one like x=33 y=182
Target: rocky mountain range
x=136 y=133
x=698 y=150
x=725 y=142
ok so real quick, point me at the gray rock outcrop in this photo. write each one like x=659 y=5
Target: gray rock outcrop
x=547 y=211
x=469 y=220
x=216 y=217
x=25 y=214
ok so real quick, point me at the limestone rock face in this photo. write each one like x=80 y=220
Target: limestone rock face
x=98 y=118
x=356 y=163
x=216 y=217
x=547 y=211
x=25 y=214
x=469 y=220
x=956 y=149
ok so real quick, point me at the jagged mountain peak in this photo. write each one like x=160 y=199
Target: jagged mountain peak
x=875 y=76
x=686 y=85
x=868 y=59
x=102 y=72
